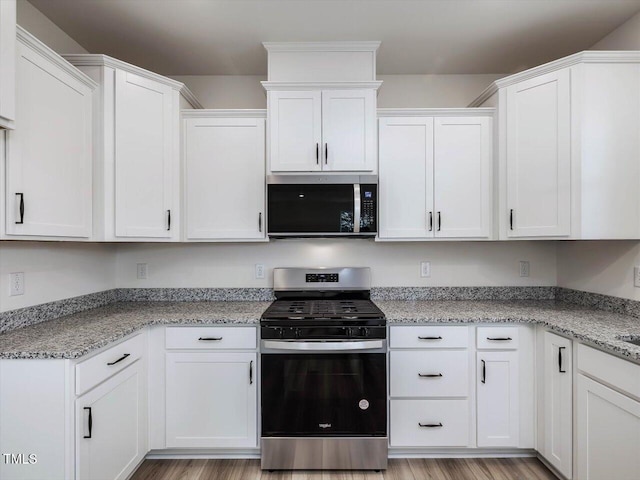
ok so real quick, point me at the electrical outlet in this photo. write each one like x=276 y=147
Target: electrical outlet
x=524 y=268
x=636 y=276
x=425 y=269
x=142 y=271
x=259 y=270
x=16 y=283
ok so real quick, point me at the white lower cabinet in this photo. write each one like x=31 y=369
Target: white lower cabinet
x=498 y=399
x=211 y=399
x=111 y=426
x=429 y=423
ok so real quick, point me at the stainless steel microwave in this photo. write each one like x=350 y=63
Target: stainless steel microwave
x=322 y=206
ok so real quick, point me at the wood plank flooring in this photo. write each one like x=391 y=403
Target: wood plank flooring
x=399 y=469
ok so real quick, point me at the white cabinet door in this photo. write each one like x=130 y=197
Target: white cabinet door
x=211 y=399
x=557 y=445
x=607 y=432
x=498 y=399
x=538 y=142
x=406 y=177
x=49 y=156
x=227 y=153
x=349 y=130
x=462 y=176
x=144 y=156
x=295 y=131
x=7 y=63
x=111 y=426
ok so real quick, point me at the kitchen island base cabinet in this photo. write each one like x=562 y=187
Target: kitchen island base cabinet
x=111 y=426
x=211 y=400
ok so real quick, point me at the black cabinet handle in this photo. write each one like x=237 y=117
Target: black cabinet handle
x=90 y=422
x=210 y=339
x=560 y=360
x=430 y=425
x=251 y=372
x=430 y=338
x=431 y=221
x=484 y=372
x=120 y=359
x=326 y=153
x=499 y=339
x=21 y=221
x=429 y=375
x=260 y=222
x=439 y=221
x=168 y=220
x=511 y=219
x=317 y=153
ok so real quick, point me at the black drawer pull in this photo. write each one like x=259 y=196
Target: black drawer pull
x=500 y=339
x=511 y=219
x=251 y=372
x=90 y=422
x=484 y=372
x=119 y=360
x=429 y=375
x=430 y=425
x=21 y=221
x=168 y=220
x=210 y=339
x=560 y=360
x=431 y=221
x=430 y=338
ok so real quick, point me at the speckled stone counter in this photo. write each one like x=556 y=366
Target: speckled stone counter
x=602 y=329
x=76 y=335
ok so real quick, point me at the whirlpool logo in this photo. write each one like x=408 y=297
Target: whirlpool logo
x=324 y=425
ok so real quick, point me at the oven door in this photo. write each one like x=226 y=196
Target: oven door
x=324 y=394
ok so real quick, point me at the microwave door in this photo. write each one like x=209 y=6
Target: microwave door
x=311 y=209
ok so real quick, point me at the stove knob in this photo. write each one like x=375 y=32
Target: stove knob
x=296 y=332
x=364 y=331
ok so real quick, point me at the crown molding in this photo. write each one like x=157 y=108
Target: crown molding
x=36 y=45
x=321 y=46
x=320 y=85
x=587 y=56
x=225 y=113
x=190 y=97
x=435 y=112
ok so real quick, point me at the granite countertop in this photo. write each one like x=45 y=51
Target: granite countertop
x=73 y=336
x=76 y=335
x=602 y=329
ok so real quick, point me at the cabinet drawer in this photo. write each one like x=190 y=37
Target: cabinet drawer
x=429 y=373
x=211 y=338
x=611 y=370
x=445 y=423
x=498 y=338
x=428 y=337
x=97 y=369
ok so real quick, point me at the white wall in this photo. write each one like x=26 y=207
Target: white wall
x=54 y=270
x=45 y=30
x=397 y=91
x=625 y=37
x=393 y=264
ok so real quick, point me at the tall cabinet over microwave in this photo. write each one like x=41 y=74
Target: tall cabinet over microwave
x=321 y=107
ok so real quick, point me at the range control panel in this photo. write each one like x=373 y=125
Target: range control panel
x=322 y=277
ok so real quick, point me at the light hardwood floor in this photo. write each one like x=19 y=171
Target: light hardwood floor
x=399 y=469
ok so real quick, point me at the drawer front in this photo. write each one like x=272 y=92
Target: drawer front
x=429 y=373
x=429 y=423
x=211 y=338
x=428 y=337
x=97 y=369
x=610 y=370
x=498 y=338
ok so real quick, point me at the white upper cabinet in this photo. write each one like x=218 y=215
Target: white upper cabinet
x=539 y=156
x=49 y=157
x=137 y=151
x=436 y=175
x=7 y=63
x=227 y=152
x=321 y=103
x=295 y=131
x=569 y=143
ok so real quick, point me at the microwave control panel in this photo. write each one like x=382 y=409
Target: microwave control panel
x=368 y=207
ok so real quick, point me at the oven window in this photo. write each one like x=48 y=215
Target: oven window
x=324 y=394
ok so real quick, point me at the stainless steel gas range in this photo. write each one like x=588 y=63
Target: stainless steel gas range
x=323 y=374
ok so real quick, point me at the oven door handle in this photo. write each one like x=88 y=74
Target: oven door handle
x=338 y=346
